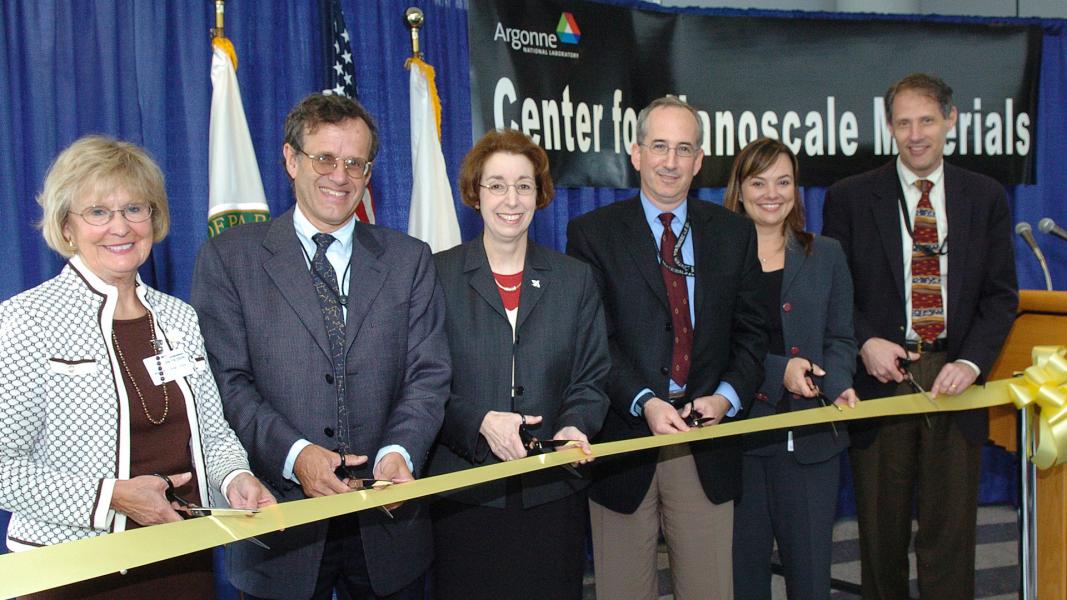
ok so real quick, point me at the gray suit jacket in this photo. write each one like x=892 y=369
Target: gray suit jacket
x=561 y=362
x=267 y=346
x=816 y=310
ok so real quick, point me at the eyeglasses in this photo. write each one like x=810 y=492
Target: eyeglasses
x=326 y=164
x=522 y=188
x=138 y=212
x=682 y=150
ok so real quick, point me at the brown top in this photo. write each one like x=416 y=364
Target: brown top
x=162 y=448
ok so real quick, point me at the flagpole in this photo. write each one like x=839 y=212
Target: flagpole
x=220 y=18
x=432 y=212
x=414 y=19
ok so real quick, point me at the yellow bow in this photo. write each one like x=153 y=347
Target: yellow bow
x=1044 y=384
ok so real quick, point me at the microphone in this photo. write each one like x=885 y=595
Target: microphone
x=1047 y=225
x=1023 y=230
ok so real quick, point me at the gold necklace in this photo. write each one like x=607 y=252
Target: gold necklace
x=137 y=388
x=508 y=288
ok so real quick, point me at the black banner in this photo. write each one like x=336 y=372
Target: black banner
x=574 y=75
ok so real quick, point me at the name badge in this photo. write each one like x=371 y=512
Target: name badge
x=168 y=366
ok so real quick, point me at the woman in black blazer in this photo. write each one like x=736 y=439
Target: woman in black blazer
x=529 y=350
x=790 y=478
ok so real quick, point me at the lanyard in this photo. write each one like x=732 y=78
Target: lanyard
x=904 y=210
x=679 y=267
x=342 y=299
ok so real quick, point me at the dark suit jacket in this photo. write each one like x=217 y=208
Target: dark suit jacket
x=560 y=354
x=729 y=340
x=267 y=346
x=863 y=213
x=816 y=311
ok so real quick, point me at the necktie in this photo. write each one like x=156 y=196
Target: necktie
x=678 y=302
x=927 y=309
x=329 y=301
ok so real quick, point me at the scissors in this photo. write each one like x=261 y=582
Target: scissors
x=535 y=446
x=193 y=510
x=696 y=419
x=810 y=375
x=904 y=364
x=346 y=472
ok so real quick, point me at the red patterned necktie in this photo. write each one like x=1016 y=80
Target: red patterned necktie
x=927 y=309
x=678 y=301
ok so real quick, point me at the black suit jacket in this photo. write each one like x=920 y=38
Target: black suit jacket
x=729 y=341
x=561 y=358
x=863 y=213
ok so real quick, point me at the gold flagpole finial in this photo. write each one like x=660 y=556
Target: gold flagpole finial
x=414 y=19
x=220 y=17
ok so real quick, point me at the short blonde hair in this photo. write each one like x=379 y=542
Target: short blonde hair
x=96 y=165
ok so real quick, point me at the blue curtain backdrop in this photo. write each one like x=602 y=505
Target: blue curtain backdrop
x=140 y=71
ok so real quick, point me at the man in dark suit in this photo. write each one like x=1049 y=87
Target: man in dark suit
x=327 y=340
x=679 y=280
x=929 y=248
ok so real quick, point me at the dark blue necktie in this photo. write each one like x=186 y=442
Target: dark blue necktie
x=329 y=295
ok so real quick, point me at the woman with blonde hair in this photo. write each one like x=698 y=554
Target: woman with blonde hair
x=109 y=416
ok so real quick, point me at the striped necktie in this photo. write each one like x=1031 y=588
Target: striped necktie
x=927 y=309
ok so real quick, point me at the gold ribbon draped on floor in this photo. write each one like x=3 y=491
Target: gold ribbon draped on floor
x=1044 y=385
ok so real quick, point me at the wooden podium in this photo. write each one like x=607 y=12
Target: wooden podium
x=1042 y=320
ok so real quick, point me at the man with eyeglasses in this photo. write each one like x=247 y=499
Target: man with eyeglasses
x=679 y=279
x=326 y=337
x=930 y=251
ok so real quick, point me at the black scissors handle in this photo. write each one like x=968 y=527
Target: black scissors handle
x=535 y=446
x=172 y=496
x=696 y=419
x=904 y=363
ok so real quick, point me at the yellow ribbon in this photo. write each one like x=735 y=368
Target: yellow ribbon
x=1044 y=386
x=52 y=566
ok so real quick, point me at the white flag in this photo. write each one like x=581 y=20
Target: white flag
x=235 y=190
x=432 y=216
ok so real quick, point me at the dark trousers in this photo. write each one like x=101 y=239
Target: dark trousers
x=510 y=553
x=934 y=466
x=344 y=567
x=795 y=504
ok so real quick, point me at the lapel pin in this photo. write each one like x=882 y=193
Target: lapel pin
x=535 y=282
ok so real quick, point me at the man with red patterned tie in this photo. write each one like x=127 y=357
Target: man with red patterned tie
x=679 y=279
x=930 y=251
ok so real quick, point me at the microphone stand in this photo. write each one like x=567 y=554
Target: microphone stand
x=1044 y=269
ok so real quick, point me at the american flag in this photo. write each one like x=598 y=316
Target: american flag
x=339 y=75
x=339 y=70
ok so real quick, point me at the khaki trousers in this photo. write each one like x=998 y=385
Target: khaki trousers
x=698 y=533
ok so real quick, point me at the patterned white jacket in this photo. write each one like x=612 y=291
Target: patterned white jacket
x=64 y=412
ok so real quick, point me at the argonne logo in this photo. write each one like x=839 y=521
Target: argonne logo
x=567 y=30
